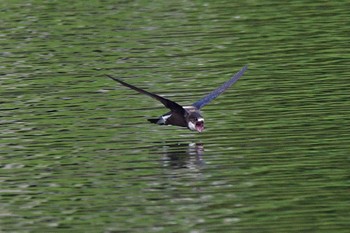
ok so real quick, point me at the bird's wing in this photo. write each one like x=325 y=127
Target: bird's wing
x=167 y=103
x=212 y=95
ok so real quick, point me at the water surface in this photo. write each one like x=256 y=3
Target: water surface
x=77 y=153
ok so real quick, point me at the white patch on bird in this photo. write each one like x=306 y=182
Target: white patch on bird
x=163 y=119
x=191 y=126
x=200 y=119
x=190 y=108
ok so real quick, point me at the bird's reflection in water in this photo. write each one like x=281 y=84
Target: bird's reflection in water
x=183 y=155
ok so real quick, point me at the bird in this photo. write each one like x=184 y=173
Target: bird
x=185 y=116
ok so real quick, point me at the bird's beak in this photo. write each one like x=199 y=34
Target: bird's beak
x=199 y=126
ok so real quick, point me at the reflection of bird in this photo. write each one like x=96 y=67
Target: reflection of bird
x=187 y=116
x=183 y=155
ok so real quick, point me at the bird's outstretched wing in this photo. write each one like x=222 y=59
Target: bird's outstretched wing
x=212 y=95
x=167 y=103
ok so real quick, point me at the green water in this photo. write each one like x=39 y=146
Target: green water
x=78 y=155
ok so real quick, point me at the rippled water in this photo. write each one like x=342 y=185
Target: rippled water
x=77 y=153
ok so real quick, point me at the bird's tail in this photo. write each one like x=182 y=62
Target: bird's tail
x=154 y=120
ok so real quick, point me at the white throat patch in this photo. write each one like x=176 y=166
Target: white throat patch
x=192 y=126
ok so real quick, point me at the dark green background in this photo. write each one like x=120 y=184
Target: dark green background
x=76 y=151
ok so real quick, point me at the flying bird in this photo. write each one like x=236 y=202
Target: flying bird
x=185 y=116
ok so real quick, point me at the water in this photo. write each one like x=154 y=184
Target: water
x=77 y=154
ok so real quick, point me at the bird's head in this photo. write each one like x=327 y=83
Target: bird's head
x=195 y=122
